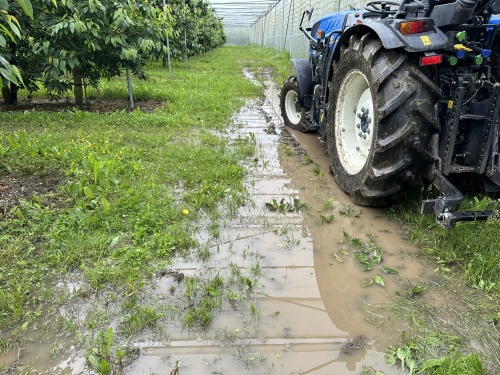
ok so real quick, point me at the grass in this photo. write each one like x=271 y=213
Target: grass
x=135 y=184
x=470 y=248
x=466 y=261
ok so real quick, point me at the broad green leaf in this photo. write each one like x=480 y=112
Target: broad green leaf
x=366 y=282
x=404 y=354
x=6 y=31
x=9 y=76
x=390 y=360
x=26 y=6
x=14 y=28
x=389 y=270
x=16 y=73
x=417 y=289
x=379 y=280
x=88 y=192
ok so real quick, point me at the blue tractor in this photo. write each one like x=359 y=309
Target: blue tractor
x=404 y=94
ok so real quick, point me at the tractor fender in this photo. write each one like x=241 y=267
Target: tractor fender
x=303 y=74
x=391 y=38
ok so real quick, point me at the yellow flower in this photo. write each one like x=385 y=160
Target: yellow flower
x=185 y=212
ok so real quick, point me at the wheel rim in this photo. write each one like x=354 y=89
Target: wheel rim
x=354 y=122
x=291 y=100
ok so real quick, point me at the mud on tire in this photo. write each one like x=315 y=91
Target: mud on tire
x=403 y=100
x=290 y=111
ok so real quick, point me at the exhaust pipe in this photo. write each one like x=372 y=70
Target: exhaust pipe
x=463 y=11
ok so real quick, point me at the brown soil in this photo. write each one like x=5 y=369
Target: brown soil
x=16 y=186
x=98 y=105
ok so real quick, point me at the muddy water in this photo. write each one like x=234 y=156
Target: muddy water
x=314 y=316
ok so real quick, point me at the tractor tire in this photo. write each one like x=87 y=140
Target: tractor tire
x=379 y=121
x=291 y=111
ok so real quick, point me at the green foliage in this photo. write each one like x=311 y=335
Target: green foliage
x=204 y=31
x=283 y=206
x=204 y=300
x=10 y=33
x=125 y=180
x=412 y=352
x=455 y=364
x=471 y=246
x=75 y=43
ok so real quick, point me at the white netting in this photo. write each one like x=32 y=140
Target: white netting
x=237 y=36
x=279 y=29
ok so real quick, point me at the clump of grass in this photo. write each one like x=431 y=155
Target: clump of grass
x=467 y=319
x=455 y=364
x=471 y=248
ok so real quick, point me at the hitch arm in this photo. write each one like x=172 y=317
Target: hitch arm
x=445 y=207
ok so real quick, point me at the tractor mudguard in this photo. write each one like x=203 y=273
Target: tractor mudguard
x=303 y=74
x=391 y=38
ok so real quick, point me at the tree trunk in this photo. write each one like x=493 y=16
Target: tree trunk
x=9 y=95
x=164 y=62
x=13 y=93
x=6 y=95
x=78 y=86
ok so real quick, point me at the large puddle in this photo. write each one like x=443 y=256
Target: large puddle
x=314 y=315
x=309 y=312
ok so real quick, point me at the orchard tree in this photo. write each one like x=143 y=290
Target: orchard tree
x=204 y=30
x=79 y=41
x=10 y=35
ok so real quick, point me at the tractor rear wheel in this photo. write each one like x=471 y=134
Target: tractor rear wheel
x=291 y=110
x=379 y=121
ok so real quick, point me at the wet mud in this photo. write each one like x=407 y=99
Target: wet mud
x=308 y=312
x=94 y=105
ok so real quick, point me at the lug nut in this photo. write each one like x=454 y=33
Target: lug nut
x=367 y=111
x=363 y=109
x=368 y=131
x=360 y=134
x=369 y=120
x=364 y=136
x=357 y=148
x=358 y=125
x=360 y=115
x=343 y=129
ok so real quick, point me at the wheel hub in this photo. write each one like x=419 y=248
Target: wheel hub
x=292 y=107
x=353 y=121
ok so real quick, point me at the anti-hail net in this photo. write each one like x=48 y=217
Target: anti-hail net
x=279 y=29
x=274 y=23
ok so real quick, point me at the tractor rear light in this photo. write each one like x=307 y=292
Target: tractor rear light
x=413 y=27
x=431 y=60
